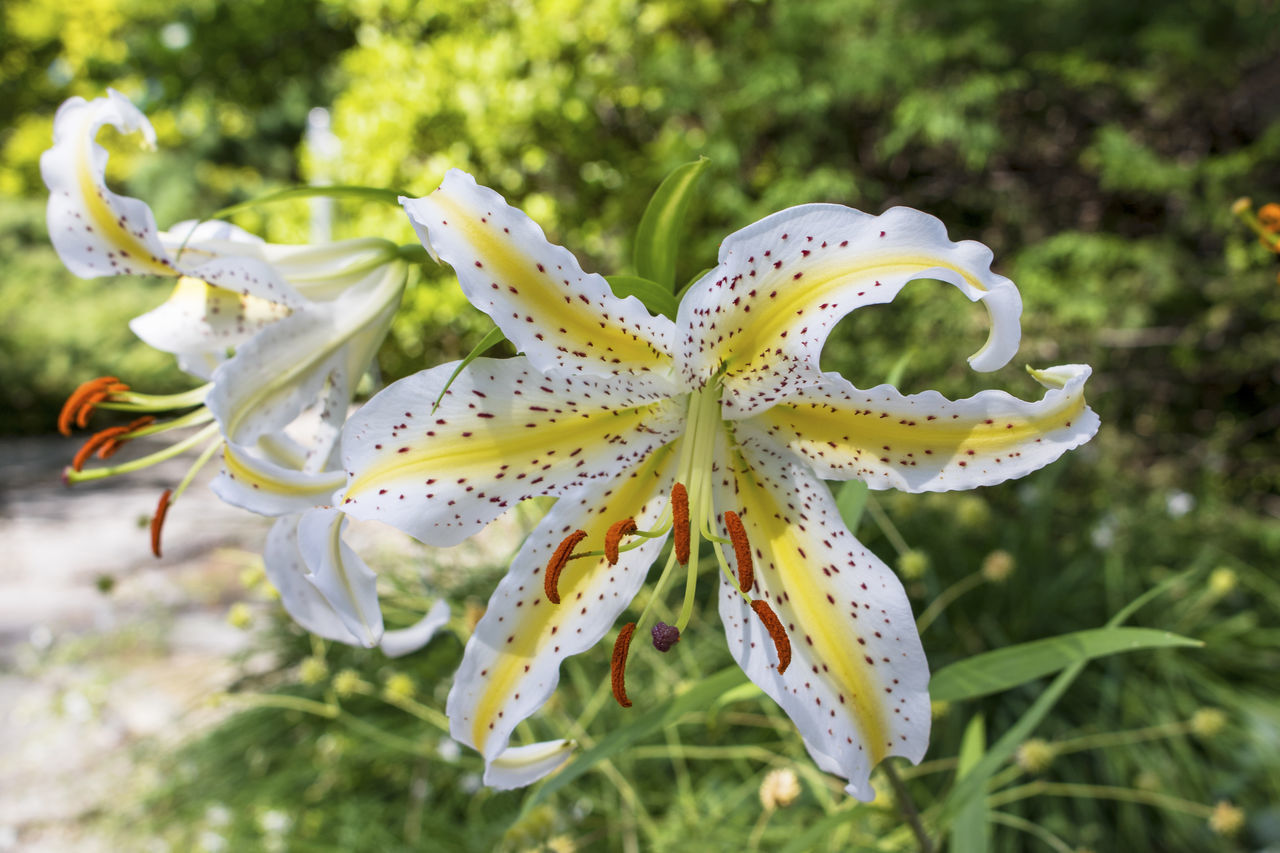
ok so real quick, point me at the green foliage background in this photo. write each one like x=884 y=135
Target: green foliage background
x=1095 y=146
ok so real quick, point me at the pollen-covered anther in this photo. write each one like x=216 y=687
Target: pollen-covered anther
x=773 y=625
x=96 y=441
x=157 y=520
x=550 y=583
x=80 y=404
x=613 y=538
x=664 y=636
x=741 y=550
x=618 y=664
x=116 y=442
x=680 y=522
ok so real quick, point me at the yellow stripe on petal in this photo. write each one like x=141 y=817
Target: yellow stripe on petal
x=95 y=231
x=503 y=433
x=761 y=317
x=555 y=313
x=269 y=489
x=511 y=664
x=857 y=684
x=925 y=442
x=112 y=225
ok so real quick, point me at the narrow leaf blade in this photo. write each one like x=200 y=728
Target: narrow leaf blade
x=658 y=238
x=1003 y=669
x=656 y=298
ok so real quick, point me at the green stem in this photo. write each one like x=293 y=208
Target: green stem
x=886 y=526
x=907 y=806
x=946 y=597
x=178 y=449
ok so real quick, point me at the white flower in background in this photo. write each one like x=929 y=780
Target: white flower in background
x=282 y=334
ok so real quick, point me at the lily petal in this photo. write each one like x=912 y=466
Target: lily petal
x=857 y=684
x=338 y=573
x=925 y=442
x=519 y=766
x=502 y=433
x=536 y=292
x=512 y=662
x=287 y=572
x=95 y=231
x=403 y=641
x=278 y=373
x=201 y=324
x=763 y=314
x=252 y=480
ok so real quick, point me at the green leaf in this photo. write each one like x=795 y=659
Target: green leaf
x=1009 y=667
x=972 y=830
x=333 y=191
x=973 y=784
x=655 y=297
x=851 y=501
x=661 y=227
x=643 y=724
x=493 y=337
x=899 y=368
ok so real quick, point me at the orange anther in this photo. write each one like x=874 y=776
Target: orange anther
x=550 y=583
x=680 y=522
x=614 y=537
x=741 y=550
x=112 y=445
x=618 y=664
x=774 y=626
x=98 y=439
x=76 y=403
x=157 y=521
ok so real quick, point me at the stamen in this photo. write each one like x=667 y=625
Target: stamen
x=611 y=539
x=550 y=583
x=680 y=522
x=97 y=440
x=109 y=449
x=741 y=550
x=665 y=636
x=618 y=665
x=157 y=521
x=774 y=626
x=76 y=403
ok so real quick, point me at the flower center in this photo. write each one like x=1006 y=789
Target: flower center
x=689 y=517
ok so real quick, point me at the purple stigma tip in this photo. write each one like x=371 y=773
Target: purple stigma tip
x=665 y=636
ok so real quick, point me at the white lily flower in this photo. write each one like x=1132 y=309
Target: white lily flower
x=717 y=426
x=284 y=333
x=278 y=329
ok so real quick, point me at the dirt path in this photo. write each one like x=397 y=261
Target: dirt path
x=101 y=644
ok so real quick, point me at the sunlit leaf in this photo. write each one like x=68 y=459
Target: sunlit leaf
x=1002 y=669
x=385 y=196
x=662 y=226
x=658 y=299
x=972 y=830
x=493 y=338
x=851 y=501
